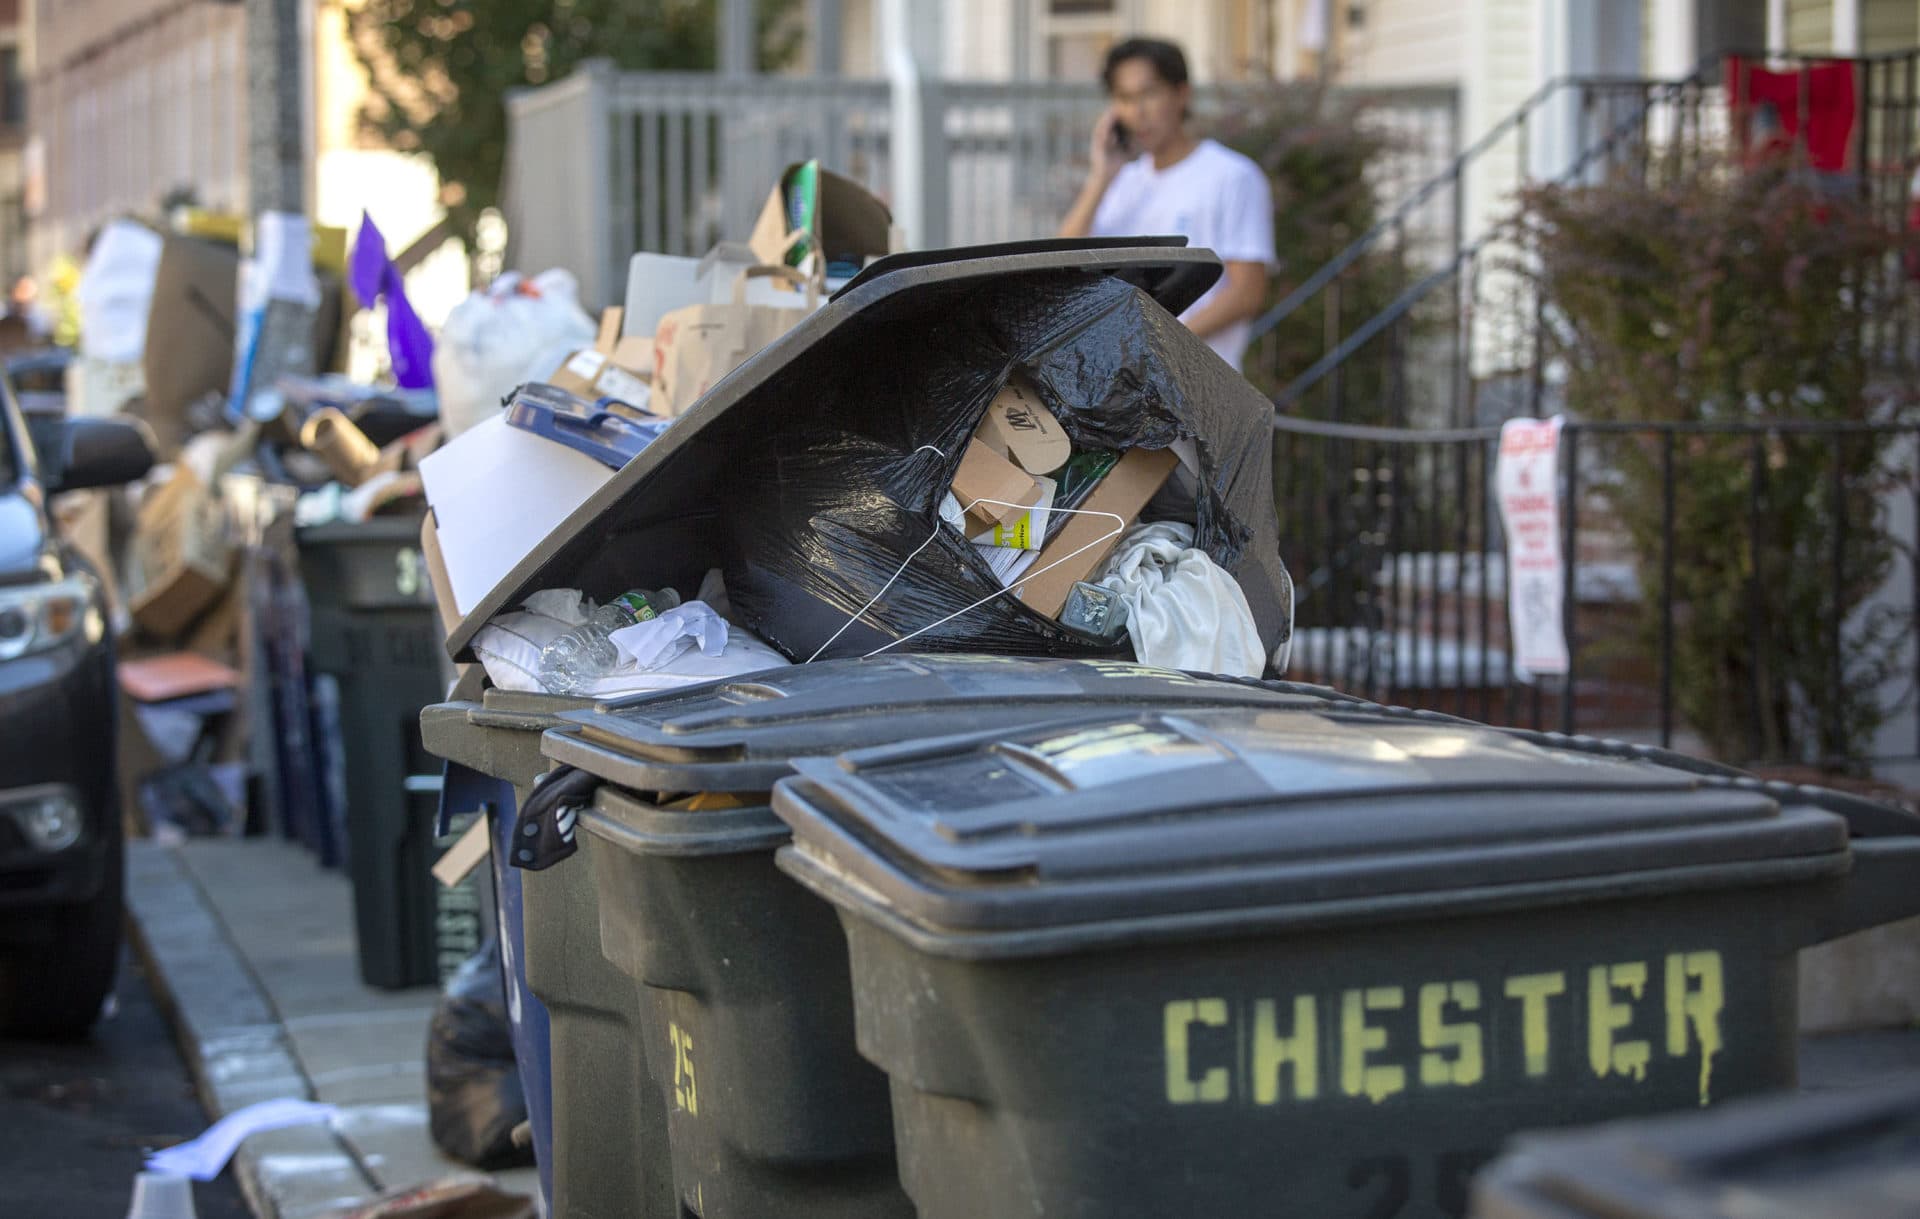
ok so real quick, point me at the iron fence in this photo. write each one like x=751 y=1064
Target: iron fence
x=1746 y=591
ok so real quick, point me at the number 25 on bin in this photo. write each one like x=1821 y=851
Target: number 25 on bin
x=684 y=1096
x=1377 y=1042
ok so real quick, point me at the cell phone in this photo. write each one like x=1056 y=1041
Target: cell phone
x=1122 y=138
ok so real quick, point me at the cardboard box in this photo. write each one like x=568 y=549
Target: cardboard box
x=182 y=555
x=1123 y=492
x=694 y=347
x=849 y=224
x=189 y=352
x=658 y=284
x=1019 y=428
x=992 y=490
x=616 y=366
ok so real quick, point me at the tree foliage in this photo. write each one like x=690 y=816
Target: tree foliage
x=441 y=69
x=1321 y=157
x=1729 y=296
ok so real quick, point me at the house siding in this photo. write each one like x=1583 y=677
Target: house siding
x=1407 y=41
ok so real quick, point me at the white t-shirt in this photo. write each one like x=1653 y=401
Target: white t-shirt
x=1215 y=198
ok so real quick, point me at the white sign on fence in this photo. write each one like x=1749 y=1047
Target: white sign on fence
x=1527 y=479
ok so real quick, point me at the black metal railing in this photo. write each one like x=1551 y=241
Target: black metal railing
x=1744 y=591
x=1456 y=340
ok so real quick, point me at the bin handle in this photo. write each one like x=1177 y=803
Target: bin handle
x=545 y=832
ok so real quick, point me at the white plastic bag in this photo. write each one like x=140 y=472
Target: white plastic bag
x=518 y=330
x=116 y=292
x=1183 y=610
x=509 y=647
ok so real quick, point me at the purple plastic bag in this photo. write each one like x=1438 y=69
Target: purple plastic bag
x=373 y=275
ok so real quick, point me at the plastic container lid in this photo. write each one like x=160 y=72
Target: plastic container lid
x=1165 y=825
x=739 y=735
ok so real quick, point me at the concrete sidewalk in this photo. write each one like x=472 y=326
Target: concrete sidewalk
x=250 y=945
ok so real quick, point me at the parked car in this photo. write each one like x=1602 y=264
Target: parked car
x=61 y=849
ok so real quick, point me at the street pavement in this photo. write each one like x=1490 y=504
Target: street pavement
x=79 y=1117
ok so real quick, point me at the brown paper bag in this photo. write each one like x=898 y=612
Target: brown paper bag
x=695 y=346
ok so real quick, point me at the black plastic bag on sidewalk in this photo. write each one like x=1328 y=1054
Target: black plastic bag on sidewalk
x=835 y=496
x=474 y=1098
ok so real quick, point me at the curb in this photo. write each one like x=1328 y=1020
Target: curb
x=234 y=1043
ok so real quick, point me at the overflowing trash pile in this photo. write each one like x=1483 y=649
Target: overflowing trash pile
x=804 y=447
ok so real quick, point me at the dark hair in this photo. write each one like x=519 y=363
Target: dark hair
x=1168 y=61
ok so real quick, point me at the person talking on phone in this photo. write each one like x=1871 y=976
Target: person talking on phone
x=1151 y=177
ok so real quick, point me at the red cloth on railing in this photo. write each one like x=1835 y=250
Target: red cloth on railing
x=1768 y=108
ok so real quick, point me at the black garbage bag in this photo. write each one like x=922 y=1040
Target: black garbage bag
x=474 y=1098
x=834 y=496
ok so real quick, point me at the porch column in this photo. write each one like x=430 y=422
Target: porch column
x=1579 y=38
x=737 y=52
x=1020 y=27
x=910 y=30
x=825 y=27
x=1776 y=25
x=1676 y=39
x=1846 y=27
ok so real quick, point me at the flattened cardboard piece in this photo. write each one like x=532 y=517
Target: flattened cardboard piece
x=1123 y=492
x=992 y=489
x=1017 y=425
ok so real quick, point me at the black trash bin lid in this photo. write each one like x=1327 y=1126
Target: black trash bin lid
x=1170 y=824
x=1852 y=1154
x=739 y=735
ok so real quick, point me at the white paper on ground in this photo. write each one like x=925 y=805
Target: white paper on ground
x=496 y=493
x=205 y=1157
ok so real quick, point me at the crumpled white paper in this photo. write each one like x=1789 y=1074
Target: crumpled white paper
x=660 y=639
x=203 y=1158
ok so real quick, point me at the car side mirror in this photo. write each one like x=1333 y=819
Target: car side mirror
x=79 y=453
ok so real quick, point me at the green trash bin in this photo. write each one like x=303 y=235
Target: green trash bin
x=375 y=632
x=609 y=1143
x=743 y=974
x=1309 y=963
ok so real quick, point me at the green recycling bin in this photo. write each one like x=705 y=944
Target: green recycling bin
x=374 y=630
x=1309 y=962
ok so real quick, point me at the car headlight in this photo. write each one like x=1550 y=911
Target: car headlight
x=36 y=617
x=51 y=820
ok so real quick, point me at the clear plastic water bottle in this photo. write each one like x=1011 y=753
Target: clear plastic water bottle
x=586 y=653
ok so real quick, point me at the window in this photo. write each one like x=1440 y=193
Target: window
x=13 y=89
